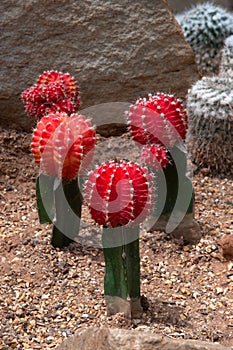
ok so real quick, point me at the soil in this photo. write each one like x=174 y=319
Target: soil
x=47 y=294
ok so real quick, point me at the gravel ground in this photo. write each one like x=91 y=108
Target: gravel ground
x=47 y=294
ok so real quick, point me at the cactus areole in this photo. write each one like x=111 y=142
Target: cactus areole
x=60 y=144
x=53 y=92
x=119 y=193
x=158 y=119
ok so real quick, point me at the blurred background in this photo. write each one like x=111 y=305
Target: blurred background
x=182 y=5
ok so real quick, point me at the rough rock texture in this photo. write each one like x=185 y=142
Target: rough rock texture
x=226 y=245
x=115 y=52
x=114 y=339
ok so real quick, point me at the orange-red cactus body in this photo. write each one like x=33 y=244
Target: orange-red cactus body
x=119 y=193
x=60 y=144
x=159 y=119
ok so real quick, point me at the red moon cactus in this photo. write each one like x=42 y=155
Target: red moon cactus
x=159 y=119
x=61 y=143
x=154 y=157
x=119 y=193
x=53 y=92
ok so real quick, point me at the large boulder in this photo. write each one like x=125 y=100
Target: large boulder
x=116 y=52
x=115 y=339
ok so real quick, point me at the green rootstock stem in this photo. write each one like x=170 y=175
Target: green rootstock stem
x=176 y=181
x=68 y=203
x=45 y=198
x=174 y=205
x=122 y=268
x=59 y=202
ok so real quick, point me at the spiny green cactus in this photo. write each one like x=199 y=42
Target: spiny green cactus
x=210 y=132
x=208 y=60
x=205 y=28
x=226 y=64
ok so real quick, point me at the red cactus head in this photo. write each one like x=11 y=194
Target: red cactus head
x=159 y=119
x=119 y=193
x=53 y=92
x=154 y=157
x=62 y=143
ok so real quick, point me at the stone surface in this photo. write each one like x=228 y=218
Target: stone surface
x=115 y=52
x=115 y=339
x=226 y=245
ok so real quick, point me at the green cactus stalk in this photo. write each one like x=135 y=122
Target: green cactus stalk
x=210 y=132
x=175 y=213
x=174 y=206
x=68 y=211
x=59 y=202
x=122 y=274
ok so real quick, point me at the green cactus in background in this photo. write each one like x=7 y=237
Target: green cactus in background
x=210 y=131
x=226 y=64
x=205 y=28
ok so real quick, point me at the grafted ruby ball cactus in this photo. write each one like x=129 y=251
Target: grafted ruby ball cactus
x=158 y=119
x=119 y=193
x=120 y=196
x=159 y=123
x=53 y=92
x=61 y=142
x=61 y=145
x=154 y=157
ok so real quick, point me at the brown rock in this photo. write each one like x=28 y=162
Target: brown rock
x=115 y=52
x=115 y=339
x=226 y=245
